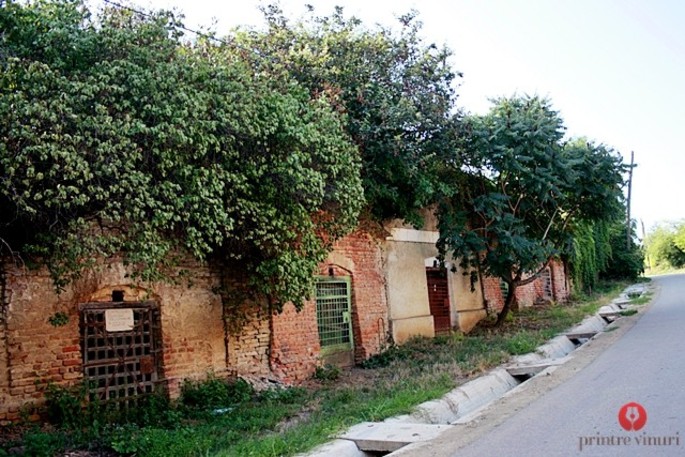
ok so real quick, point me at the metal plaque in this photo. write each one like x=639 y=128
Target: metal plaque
x=119 y=320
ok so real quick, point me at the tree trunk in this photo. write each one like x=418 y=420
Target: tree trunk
x=508 y=303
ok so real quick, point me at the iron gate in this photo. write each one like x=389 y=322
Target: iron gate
x=120 y=343
x=333 y=312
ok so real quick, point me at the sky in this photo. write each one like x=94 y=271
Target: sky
x=614 y=69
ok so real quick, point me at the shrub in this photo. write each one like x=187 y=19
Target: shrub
x=214 y=393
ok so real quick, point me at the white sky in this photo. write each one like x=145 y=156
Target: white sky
x=615 y=69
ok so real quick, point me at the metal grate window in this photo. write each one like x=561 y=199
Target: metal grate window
x=333 y=304
x=504 y=289
x=120 y=364
x=547 y=292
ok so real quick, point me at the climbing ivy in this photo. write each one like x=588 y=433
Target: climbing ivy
x=121 y=138
x=590 y=254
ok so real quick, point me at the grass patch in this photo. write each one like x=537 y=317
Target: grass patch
x=643 y=299
x=230 y=419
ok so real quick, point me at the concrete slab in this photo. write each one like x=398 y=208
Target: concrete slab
x=578 y=337
x=594 y=322
x=338 y=448
x=532 y=370
x=464 y=399
x=389 y=437
x=527 y=359
x=609 y=312
x=556 y=347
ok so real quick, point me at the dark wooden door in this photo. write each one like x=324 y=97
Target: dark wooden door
x=438 y=299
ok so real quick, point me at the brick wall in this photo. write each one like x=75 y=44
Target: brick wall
x=492 y=293
x=195 y=339
x=369 y=304
x=193 y=332
x=295 y=346
x=248 y=341
x=4 y=361
x=560 y=281
x=38 y=353
x=530 y=293
x=527 y=295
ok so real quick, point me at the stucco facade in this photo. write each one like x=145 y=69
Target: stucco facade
x=410 y=260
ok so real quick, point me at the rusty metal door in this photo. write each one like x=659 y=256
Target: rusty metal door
x=438 y=299
x=120 y=344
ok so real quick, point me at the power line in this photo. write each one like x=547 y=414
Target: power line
x=182 y=27
x=196 y=32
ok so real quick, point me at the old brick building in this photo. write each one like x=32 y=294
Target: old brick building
x=126 y=338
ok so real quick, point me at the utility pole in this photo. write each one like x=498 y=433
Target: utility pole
x=630 y=188
x=642 y=222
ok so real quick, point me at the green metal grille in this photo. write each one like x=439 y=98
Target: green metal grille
x=333 y=313
x=504 y=288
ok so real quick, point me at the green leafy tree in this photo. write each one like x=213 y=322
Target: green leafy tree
x=120 y=139
x=663 y=248
x=600 y=252
x=396 y=90
x=523 y=191
x=626 y=262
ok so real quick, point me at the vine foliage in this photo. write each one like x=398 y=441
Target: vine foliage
x=121 y=138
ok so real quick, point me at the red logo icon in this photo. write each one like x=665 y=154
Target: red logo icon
x=632 y=416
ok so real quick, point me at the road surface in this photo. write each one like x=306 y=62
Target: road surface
x=575 y=410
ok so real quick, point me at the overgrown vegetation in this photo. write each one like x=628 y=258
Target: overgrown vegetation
x=527 y=188
x=600 y=251
x=123 y=138
x=119 y=138
x=396 y=89
x=230 y=419
x=665 y=247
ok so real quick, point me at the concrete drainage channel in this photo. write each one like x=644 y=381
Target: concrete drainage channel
x=463 y=404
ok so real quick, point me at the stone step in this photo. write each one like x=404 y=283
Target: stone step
x=577 y=336
x=390 y=436
x=533 y=369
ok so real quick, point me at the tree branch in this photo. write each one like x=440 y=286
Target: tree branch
x=532 y=278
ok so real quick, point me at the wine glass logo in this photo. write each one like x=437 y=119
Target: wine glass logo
x=632 y=416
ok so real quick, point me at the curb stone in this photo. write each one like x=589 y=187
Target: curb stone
x=463 y=404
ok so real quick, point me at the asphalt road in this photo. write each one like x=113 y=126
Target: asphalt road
x=575 y=411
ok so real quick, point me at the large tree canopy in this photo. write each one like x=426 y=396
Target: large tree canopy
x=524 y=189
x=120 y=139
x=397 y=91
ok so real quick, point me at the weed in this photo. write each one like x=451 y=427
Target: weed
x=65 y=405
x=327 y=372
x=522 y=343
x=41 y=444
x=642 y=299
x=59 y=319
x=214 y=393
x=628 y=312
